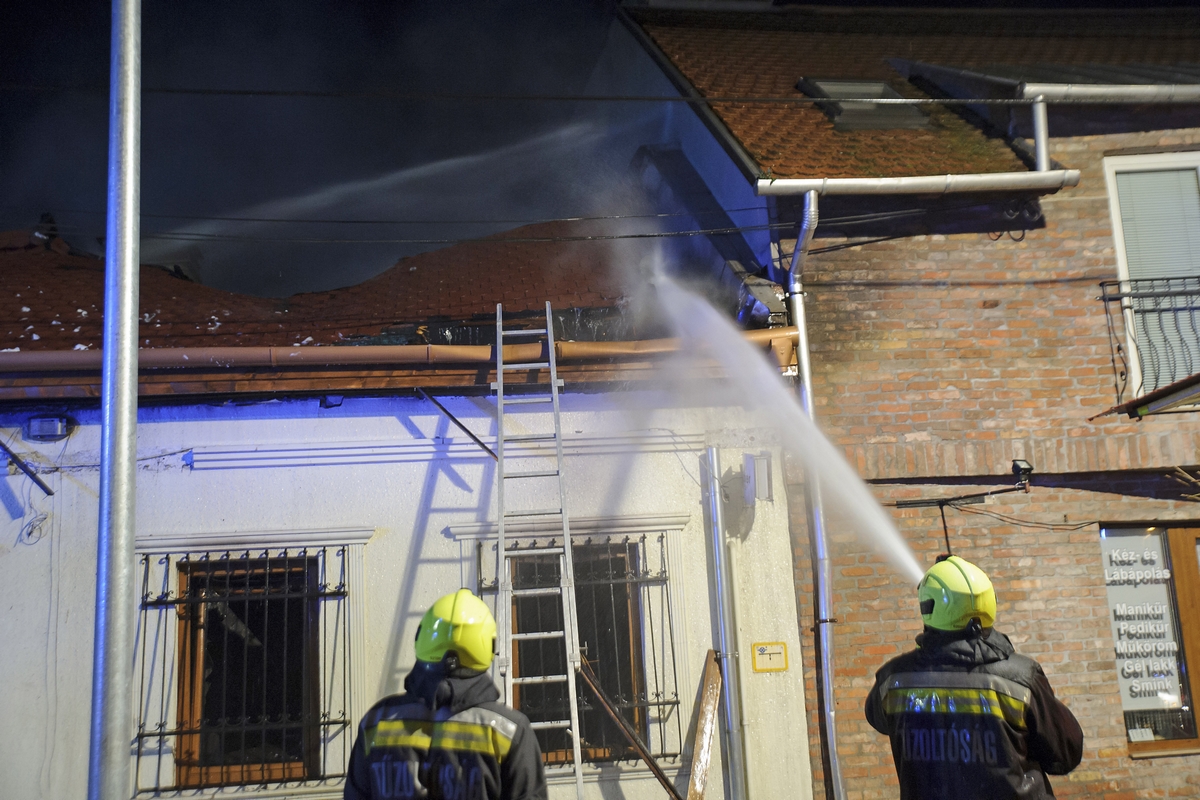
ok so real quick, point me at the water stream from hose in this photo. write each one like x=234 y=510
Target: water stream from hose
x=847 y=500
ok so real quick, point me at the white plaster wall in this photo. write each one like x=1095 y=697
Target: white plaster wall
x=409 y=476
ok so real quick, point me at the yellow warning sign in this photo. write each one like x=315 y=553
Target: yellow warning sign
x=770 y=657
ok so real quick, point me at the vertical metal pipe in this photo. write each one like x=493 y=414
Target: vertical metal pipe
x=822 y=568
x=112 y=668
x=726 y=632
x=1041 y=135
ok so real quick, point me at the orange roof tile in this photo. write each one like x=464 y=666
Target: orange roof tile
x=735 y=54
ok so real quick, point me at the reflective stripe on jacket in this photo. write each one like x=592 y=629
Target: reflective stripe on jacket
x=970 y=719
x=407 y=751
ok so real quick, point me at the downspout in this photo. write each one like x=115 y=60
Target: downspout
x=1041 y=135
x=727 y=650
x=109 y=768
x=822 y=569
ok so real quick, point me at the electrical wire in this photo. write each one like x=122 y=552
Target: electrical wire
x=1024 y=523
x=530 y=221
x=853 y=219
x=457 y=97
x=198 y=237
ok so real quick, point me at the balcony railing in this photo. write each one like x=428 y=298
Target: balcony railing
x=1154 y=332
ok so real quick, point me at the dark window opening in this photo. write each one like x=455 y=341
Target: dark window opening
x=849 y=113
x=247 y=663
x=245 y=683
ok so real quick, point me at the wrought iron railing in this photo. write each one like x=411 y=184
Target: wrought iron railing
x=1154 y=332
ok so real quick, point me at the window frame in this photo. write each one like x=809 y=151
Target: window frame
x=155 y=759
x=632 y=606
x=1113 y=165
x=1181 y=539
x=477 y=542
x=191 y=635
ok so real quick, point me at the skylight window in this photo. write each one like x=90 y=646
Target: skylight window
x=852 y=114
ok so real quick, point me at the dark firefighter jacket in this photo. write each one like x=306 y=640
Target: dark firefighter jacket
x=970 y=719
x=456 y=744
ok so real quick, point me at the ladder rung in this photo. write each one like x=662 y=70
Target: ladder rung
x=534 y=551
x=530 y=437
x=534 y=512
x=521 y=401
x=525 y=332
x=536 y=473
x=541 y=679
x=543 y=592
x=529 y=365
x=558 y=723
x=538 y=635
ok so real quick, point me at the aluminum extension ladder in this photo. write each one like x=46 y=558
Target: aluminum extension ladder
x=540 y=346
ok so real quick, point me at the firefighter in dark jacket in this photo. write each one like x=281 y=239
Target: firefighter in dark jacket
x=969 y=718
x=447 y=737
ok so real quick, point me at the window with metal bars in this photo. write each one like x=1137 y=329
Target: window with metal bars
x=243 y=658
x=626 y=634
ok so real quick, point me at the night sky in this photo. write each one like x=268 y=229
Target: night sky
x=304 y=158
x=446 y=164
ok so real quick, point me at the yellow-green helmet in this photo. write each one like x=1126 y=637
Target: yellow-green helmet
x=955 y=591
x=458 y=622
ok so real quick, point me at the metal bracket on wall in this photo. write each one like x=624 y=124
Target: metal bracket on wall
x=21 y=465
x=455 y=420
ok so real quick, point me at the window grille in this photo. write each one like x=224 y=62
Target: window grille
x=626 y=634
x=243 y=665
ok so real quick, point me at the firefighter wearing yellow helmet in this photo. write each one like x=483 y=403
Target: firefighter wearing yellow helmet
x=448 y=737
x=968 y=717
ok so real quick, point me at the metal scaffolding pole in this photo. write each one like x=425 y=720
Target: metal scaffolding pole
x=112 y=670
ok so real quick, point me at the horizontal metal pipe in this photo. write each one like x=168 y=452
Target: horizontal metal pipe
x=1051 y=180
x=1112 y=92
x=381 y=355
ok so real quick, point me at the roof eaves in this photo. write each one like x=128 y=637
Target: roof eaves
x=744 y=161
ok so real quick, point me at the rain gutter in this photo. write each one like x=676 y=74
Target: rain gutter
x=1102 y=93
x=1044 y=180
x=348 y=356
x=822 y=566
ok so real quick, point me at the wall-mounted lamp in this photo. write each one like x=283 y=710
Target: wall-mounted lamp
x=1022 y=469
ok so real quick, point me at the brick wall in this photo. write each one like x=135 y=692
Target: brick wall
x=942 y=358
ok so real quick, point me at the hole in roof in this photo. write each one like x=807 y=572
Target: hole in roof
x=850 y=113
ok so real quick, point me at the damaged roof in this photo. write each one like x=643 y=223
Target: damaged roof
x=740 y=54
x=52 y=299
